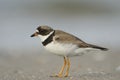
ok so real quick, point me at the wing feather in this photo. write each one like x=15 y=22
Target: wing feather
x=61 y=36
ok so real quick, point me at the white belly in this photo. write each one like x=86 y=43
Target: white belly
x=61 y=49
x=67 y=49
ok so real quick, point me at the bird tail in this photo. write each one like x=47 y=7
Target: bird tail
x=98 y=47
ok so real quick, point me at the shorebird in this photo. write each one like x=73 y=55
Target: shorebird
x=63 y=44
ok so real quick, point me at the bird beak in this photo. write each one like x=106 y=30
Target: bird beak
x=34 y=34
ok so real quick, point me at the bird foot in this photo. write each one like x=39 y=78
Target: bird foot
x=57 y=75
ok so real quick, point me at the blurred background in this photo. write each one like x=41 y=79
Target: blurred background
x=94 y=21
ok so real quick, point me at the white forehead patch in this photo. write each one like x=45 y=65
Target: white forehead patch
x=37 y=31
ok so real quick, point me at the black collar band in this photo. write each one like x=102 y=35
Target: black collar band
x=49 y=39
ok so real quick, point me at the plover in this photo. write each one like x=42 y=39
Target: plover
x=63 y=44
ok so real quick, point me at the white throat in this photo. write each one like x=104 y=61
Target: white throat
x=43 y=38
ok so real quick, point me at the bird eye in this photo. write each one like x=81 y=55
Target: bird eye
x=43 y=30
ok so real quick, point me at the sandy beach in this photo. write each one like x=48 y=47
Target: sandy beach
x=41 y=66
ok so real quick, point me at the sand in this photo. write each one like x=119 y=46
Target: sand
x=41 y=66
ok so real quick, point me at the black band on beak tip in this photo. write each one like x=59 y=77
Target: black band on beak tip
x=32 y=35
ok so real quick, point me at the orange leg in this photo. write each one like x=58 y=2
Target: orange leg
x=68 y=67
x=66 y=62
x=62 y=69
x=60 y=74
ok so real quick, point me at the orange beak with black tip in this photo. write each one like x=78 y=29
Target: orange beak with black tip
x=35 y=34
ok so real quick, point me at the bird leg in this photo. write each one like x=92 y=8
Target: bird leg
x=63 y=67
x=68 y=67
x=66 y=62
